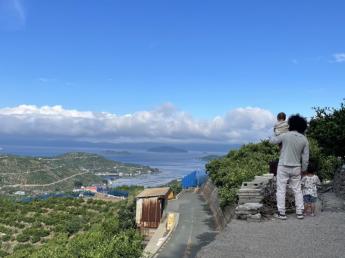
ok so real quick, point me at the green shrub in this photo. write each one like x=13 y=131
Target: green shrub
x=326 y=164
x=6 y=230
x=22 y=247
x=19 y=225
x=73 y=226
x=28 y=219
x=3 y=253
x=6 y=238
x=238 y=166
x=23 y=238
x=35 y=239
x=328 y=128
x=126 y=214
x=175 y=187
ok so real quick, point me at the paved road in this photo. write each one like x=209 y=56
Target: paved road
x=49 y=184
x=322 y=236
x=196 y=227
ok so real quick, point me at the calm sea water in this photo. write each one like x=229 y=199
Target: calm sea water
x=172 y=165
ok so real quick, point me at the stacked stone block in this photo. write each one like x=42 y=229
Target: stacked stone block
x=339 y=182
x=250 y=198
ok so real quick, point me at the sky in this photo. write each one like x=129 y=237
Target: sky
x=166 y=70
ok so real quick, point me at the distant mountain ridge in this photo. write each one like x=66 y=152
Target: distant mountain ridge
x=167 y=149
x=116 y=153
x=25 y=141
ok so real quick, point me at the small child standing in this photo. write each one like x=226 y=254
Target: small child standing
x=281 y=126
x=309 y=189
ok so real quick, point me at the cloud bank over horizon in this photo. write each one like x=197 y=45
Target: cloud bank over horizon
x=163 y=124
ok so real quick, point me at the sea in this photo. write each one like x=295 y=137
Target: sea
x=171 y=165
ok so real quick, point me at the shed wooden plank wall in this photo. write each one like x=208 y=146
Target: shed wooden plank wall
x=151 y=212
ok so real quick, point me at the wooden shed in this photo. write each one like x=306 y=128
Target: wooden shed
x=151 y=204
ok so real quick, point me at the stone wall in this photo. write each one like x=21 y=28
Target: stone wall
x=339 y=182
x=210 y=193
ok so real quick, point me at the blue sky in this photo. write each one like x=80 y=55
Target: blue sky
x=205 y=57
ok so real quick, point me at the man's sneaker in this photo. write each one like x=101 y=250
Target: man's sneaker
x=300 y=216
x=279 y=215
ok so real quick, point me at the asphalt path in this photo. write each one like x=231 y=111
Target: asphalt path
x=322 y=236
x=196 y=227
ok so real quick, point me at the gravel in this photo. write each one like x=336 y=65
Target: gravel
x=314 y=237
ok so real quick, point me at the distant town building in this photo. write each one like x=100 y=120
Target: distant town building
x=19 y=193
x=92 y=189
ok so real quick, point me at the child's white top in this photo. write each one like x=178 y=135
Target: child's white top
x=309 y=184
x=281 y=127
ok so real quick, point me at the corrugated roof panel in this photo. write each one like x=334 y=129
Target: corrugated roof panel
x=153 y=192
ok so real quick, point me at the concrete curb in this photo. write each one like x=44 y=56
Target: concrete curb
x=168 y=237
x=156 y=247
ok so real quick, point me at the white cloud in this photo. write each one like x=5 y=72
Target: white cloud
x=339 y=57
x=164 y=124
x=18 y=7
x=12 y=14
x=46 y=80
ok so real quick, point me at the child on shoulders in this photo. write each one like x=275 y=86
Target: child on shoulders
x=281 y=126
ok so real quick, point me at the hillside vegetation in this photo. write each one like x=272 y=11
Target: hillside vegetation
x=241 y=165
x=62 y=227
x=78 y=166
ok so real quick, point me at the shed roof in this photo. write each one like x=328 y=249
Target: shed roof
x=154 y=192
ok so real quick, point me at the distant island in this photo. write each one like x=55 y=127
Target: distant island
x=59 y=173
x=167 y=149
x=116 y=153
x=210 y=157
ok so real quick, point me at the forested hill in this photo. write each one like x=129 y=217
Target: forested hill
x=60 y=172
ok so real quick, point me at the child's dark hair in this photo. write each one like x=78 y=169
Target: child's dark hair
x=281 y=116
x=312 y=167
x=297 y=123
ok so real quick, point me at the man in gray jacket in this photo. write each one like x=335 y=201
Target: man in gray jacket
x=294 y=158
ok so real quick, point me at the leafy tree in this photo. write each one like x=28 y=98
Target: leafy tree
x=326 y=165
x=328 y=128
x=35 y=239
x=73 y=226
x=6 y=238
x=105 y=182
x=78 y=184
x=23 y=238
x=126 y=215
x=3 y=253
x=23 y=247
x=175 y=186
